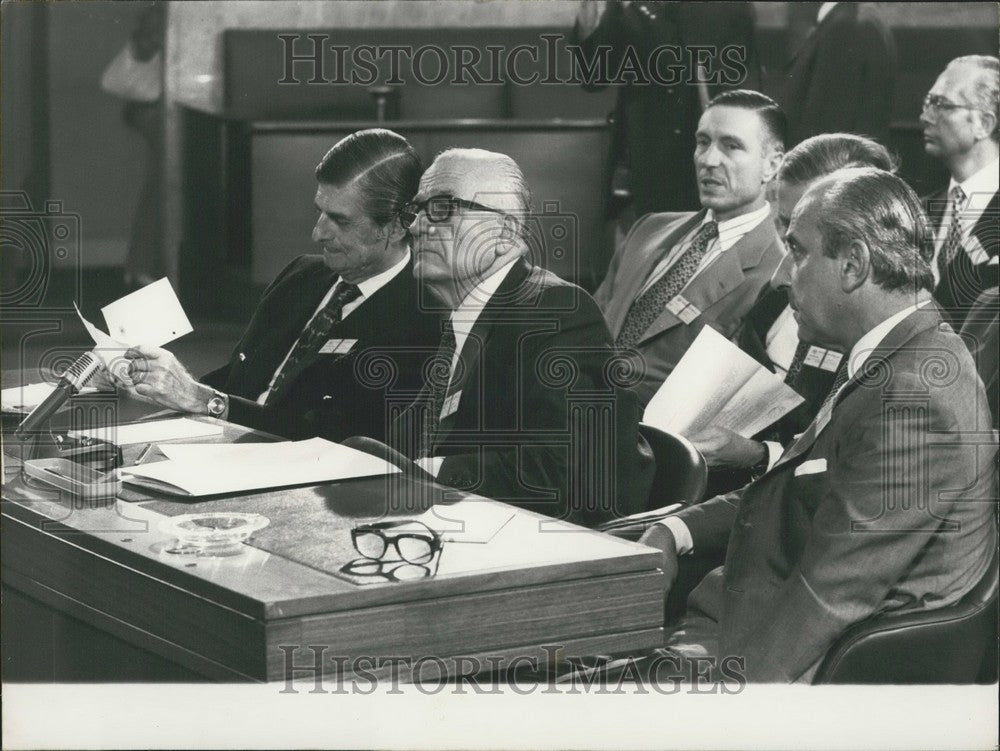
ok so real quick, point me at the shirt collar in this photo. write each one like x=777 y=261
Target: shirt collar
x=373 y=284
x=867 y=344
x=984 y=182
x=464 y=317
x=824 y=11
x=733 y=229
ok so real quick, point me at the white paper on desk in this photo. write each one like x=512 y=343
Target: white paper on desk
x=213 y=469
x=470 y=520
x=152 y=315
x=151 y=431
x=717 y=383
x=30 y=395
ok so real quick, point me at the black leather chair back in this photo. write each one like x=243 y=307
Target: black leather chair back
x=681 y=472
x=937 y=646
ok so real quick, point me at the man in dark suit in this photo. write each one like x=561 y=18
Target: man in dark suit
x=677 y=273
x=655 y=122
x=769 y=332
x=524 y=406
x=842 y=76
x=859 y=515
x=960 y=120
x=981 y=332
x=308 y=362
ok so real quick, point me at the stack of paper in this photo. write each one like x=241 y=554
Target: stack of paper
x=197 y=470
x=151 y=431
x=717 y=383
x=25 y=398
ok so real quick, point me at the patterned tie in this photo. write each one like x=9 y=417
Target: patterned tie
x=650 y=304
x=953 y=242
x=313 y=337
x=438 y=379
x=801 y=350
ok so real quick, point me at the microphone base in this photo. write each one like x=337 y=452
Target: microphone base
x=94 y=453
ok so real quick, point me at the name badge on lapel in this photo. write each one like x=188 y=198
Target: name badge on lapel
x=450 y=405
x=824 y=359
x=683 y=309
x=337 y=346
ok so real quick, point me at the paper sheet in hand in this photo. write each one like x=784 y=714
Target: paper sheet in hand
x=717 y=383
x=152 y=315
x=30 y=395
x=151 y=431
x=210 y=470
x=470 y=520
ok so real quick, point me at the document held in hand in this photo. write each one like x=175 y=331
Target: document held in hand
x=210 y=469
x=717 y=383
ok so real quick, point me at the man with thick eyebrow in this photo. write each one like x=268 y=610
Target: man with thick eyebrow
x=300 y=370
x=677 y=273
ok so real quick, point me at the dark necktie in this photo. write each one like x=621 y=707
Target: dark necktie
x=650 y=303
x=797 y=360
x=437 y=381
x=313 y=337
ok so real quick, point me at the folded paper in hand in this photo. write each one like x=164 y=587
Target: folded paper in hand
x=197 y=470
x=717 y=383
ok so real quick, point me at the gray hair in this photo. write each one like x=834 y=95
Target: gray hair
x=984 y=90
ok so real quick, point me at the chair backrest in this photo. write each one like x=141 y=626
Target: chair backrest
x=933 y=646
x=681 y=471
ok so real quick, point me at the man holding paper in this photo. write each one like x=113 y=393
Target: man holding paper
x=299 y=369
x=676 y=273
x=769 y=333
x=859 y=516
x=524 y=406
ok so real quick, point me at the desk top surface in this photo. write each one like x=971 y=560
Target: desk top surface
x=308 y=524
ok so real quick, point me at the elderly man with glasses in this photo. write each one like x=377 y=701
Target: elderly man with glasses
x=525 y=404
x=960 y=121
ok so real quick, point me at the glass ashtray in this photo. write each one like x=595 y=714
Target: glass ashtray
x=216 y=533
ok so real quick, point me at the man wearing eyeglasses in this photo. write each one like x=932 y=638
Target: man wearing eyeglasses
x=960 y=121
x=299 y=369
x=524 y=406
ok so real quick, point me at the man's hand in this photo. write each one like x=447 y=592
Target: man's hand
x=661 y=538
x=724 y=449
x=157 y=376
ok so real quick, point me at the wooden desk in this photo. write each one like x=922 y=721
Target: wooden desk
x=89 y=594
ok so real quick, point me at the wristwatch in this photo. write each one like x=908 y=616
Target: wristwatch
x=218 y=404
x=760 y=467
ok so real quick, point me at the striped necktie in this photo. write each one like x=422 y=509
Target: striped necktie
x=438 y=380
x=313 y=337
x=650 y=304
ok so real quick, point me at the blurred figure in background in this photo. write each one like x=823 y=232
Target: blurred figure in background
x=842 y=76
x=655 y=123
x=136 y=76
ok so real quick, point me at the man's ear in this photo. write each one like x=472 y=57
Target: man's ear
x=986 y=124
x=772 y=163
x=510 y=235
x=855 y=265
x=395 y=231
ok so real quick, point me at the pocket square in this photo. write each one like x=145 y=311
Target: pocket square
x=811 y=467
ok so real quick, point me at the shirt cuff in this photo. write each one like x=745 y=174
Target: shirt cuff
x=774 y=452
x=430 y=464
x=681 y=533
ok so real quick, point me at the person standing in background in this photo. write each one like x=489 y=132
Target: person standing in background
x=841 y=78
x=136 y=76
x=655 y=123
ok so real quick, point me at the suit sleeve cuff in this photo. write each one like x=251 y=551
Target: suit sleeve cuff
x=774 y=452
x=681 y=533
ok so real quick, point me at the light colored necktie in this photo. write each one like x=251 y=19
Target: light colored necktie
x=953 y=242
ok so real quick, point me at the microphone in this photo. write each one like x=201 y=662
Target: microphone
x=74 y=379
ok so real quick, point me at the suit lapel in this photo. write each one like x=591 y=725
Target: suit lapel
x=921 y=320
x=985 y=231
x=722 y=276
x=663 y=241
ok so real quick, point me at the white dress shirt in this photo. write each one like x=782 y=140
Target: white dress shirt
x=860 y=353
x=824 y=11
x=731 y=232
x=368 y=288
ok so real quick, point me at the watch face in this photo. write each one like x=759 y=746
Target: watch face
x=216 y=405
